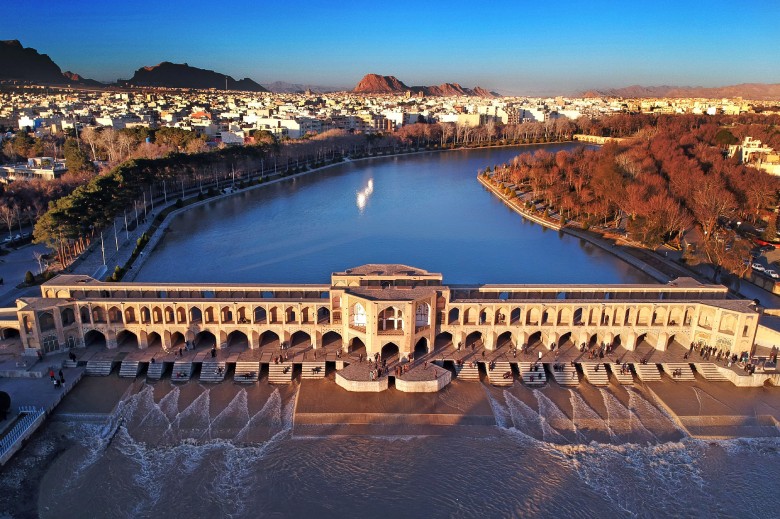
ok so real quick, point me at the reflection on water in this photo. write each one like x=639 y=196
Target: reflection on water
x=362 y=195
x=430 y=212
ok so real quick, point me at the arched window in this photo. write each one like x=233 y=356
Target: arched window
x=422 y=315
x=358 y=315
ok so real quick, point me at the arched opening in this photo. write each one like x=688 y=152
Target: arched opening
x=205 y=339
x=532 y=317
x=98 y=315
x=157 y=315
x=358 y=317
x=306 y=315
x=226 y=314
x=241 y=315
x=547 y=317
x=84 y=315
x=474 y=339
x=483 y=317
x=389 y=353
x=565 y=340
x=146 y=315
x=422 y=315
x=577 y=317
x=115 y=315
x=593 y=341
x=505 y=339
x=616 y=341
x=209 y=315
x=659 y=316
x=67 y=316
x=421 y=348
x=515 y=316
x=130 y=315
x=535 y=339
x=390 y=319
x=564 y=316
x=46 y=321
x=289 y=315
x=470 y=316
x=153 y=340
x=237 y=339
x=331 y=340
x=126 y=338
x=169 y=315
x=196 y=316
x=453 y=316
x=356 y=347
x=94 y=338
x=443 y=340
x=643 y=317
x=260 y=315
x=269 y=338
x=301 y=339
x=641 y=339
x=323 y=315
x=8 y=333
x=177 y=340
x=727 y=324
x=499 y=317
x=181 y=315
x=670 y=341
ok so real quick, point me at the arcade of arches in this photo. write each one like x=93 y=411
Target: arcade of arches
x=369 y=307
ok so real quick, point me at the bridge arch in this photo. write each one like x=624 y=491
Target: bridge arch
x=127 y=338
x=95 y=338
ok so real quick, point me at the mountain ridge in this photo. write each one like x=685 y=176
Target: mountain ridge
x=757 y=91
x=378 y=84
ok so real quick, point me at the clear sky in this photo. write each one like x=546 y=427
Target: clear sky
x=514 y=47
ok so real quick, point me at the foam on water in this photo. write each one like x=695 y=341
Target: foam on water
x=585 y=419
x=556 y=426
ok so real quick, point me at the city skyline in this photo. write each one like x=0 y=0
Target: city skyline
x=510 y=48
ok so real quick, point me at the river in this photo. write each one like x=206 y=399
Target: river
x=426 y=210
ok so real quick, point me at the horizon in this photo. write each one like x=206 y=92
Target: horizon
x=509 y=48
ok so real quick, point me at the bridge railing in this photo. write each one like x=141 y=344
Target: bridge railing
x=31 y=415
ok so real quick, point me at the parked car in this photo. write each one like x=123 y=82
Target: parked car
x=772 y=273
x=758 y=267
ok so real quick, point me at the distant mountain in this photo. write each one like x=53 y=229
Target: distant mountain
x=26 y=64
x=175 y=75
x=757 y=91
x=377 y=84
x=292 y=88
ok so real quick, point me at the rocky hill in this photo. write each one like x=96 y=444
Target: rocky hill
x=181 y=75
x=377 y=84
x=757 y=91
x=27 y=65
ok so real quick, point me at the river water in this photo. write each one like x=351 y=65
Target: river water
x=230 y=452
x=425 y=210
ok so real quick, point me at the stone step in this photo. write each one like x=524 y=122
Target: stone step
x=247 y=372
x=182 y=371
x=596 y=373
x=313 y=369
x=213 y=371
x=100 y=368
x=710 y=371
x=280 y=373
x=686 y=373
x=129 y=368
x=155 y=370
x=501 y=374
x=566 y=376
x=532 y=377
x=67 y=363
x=647 y=372
x=627 y=379
x=467 y=372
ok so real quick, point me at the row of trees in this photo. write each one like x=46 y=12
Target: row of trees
x=660 y=185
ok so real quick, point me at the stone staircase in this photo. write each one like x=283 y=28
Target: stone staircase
x=100 y=367
x=129 y=368
x=710 y=371
x=626 y=379
x=312 y=369
x=647 y=372
x=67 y=363
x=567 y=377
x=686 y=373
x=530 y=377
x=247 y=372
x=280 y=373
x=467 y=372
x=596 y=373
x=155 y=370
x=210 y=371
x=496 y=375
x=182 y=371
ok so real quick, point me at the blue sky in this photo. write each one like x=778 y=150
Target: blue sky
x=514 y=47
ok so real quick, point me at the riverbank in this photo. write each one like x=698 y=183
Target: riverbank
x=602 y=243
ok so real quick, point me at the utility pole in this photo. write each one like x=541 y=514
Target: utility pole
x=103 y=248
x=127 y=233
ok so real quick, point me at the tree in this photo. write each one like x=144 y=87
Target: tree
x=29 y=279
x=75 y=159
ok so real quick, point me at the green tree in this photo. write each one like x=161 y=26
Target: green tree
x=29 y=279
x=77 y=160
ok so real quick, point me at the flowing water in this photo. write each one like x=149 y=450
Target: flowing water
x=220 y=452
